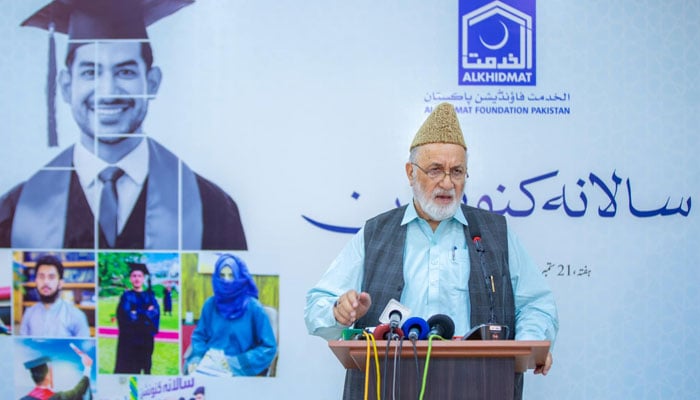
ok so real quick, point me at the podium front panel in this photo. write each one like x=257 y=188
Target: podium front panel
x=475 y=378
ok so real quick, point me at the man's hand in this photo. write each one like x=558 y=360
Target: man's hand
x=544 y=369
x=351 y=306
x=84 y=358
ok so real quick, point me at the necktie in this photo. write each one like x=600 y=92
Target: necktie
x=108 y=203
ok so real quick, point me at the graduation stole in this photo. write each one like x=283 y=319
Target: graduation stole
x=41 y=393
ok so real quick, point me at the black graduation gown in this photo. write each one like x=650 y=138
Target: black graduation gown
x=137 y=328
x=222 y=227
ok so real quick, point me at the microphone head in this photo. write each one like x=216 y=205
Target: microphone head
x=474 y=231
x=416 y=326
x=394 y=312
x=476 y=237
x=395 y=317
x=383 y=332
x=441 y=325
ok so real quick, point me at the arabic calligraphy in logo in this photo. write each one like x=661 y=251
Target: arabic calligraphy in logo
x=497 y=43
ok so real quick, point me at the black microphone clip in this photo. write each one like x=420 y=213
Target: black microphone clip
x=487 y=332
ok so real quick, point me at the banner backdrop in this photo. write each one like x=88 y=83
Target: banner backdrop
x=581 y=125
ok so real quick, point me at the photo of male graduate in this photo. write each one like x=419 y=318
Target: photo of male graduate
x=46 y=378
x=141 y=194
x=138 y=316
x=134 y=335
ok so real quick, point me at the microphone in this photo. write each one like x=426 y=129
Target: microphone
x=394 y=313
x=490 y=330
x=416 y=328
x=395 y=318
x=441 y=325
x=390 y=319
x=353 y=334
x=387 y=332
x=476 y=236
x=488 y=279
x=487 y=332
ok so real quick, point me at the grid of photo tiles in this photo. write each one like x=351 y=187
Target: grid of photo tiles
x=67 y=312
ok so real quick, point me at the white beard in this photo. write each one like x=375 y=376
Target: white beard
x=435 y=211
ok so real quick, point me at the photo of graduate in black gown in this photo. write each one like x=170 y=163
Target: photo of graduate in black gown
x=138 y=318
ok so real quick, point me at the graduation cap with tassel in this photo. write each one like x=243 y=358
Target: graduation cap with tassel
x=86 y=21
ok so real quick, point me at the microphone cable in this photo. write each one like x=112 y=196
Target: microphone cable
x=393 y=333
x=393 y=336
x=370 y=338
x=425 y=367
x=488 y=280
x=490 y=288
x=386 y=363
x=397 y=368
x=415 y=358
x=427 y=361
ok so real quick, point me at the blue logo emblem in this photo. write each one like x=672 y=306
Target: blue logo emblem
x=497 y=43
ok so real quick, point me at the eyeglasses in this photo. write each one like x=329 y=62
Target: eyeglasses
x=457 y=174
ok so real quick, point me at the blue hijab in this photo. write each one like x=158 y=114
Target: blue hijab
x=231 y=296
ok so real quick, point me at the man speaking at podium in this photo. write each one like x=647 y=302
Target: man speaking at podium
x=423 y=254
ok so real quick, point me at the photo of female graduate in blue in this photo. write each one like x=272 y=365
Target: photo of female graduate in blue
x=233 y=325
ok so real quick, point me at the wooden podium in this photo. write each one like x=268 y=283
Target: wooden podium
x=458 y=369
